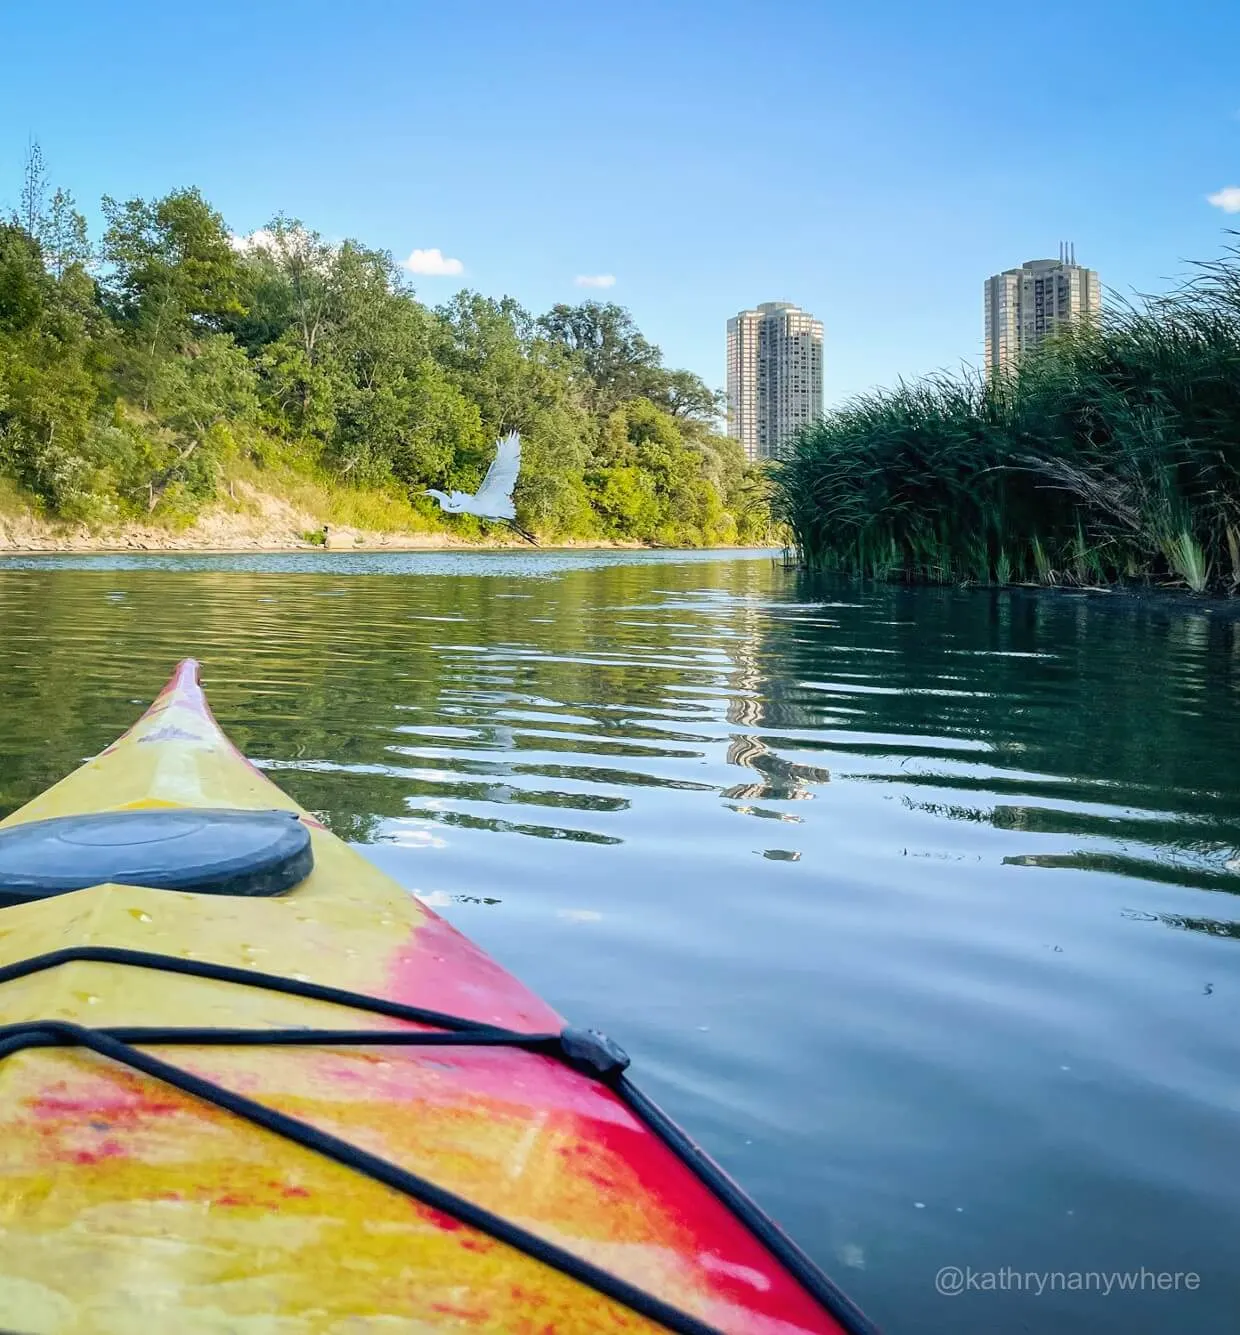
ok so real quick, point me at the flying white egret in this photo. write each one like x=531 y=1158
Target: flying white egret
x=493 y=500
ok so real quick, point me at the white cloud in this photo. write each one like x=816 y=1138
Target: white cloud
x=432 y=262
x=595 y=280
x=1227 y=199
x=260 y=240
x=285 y=244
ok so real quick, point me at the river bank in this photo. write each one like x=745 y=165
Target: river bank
x=129 y=417
x=250 y=521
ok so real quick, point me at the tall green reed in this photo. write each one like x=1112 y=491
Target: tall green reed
x=1110 y=456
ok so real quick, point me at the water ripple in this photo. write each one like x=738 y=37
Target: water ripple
x=897 y=897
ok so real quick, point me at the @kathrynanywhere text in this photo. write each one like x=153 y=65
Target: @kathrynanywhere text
x=953 y=1280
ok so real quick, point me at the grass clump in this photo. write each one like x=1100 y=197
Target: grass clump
x=1109 y=457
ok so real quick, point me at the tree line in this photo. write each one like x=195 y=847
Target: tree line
x=1109 y=456
x=139 y=368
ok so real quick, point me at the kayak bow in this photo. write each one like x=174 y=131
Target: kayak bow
x=250 y=1083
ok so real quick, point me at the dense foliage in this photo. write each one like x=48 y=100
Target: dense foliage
x=135 y=374
x=1112 y=456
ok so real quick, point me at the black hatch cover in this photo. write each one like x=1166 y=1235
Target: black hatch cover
x=208 y=851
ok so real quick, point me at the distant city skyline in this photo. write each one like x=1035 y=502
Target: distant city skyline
x=1025 y=305
x=774 y=375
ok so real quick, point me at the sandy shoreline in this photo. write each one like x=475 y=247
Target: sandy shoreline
x=268 y=524
x=352 y=541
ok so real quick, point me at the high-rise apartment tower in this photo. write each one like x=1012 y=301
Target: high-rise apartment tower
x=1026 y=305
x=774 y=376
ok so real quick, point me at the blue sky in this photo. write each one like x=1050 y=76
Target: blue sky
x=872 y=163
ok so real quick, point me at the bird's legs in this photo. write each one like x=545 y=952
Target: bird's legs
x=516 y=528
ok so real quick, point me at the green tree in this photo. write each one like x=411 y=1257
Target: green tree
x=174 y=276
x=31 y=213
x=47 y=389
x=132 y=394
x=685 y=396
x=499 y=358
x=604 y=349
x=54 y=222
x=25 y=290
x=438 y=421
x=487 y=343
x=200 y=399
x=291 y=285
x=64 y=239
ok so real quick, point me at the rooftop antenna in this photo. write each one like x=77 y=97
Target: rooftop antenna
x=1073 y=252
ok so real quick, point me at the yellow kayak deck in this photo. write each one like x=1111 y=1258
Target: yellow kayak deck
x=125 y=1201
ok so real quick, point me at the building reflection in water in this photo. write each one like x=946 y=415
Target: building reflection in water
x=755 y=696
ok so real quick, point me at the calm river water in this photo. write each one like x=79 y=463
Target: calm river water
x=918 y=909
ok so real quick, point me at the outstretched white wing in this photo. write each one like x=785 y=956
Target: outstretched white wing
x=494 y=497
